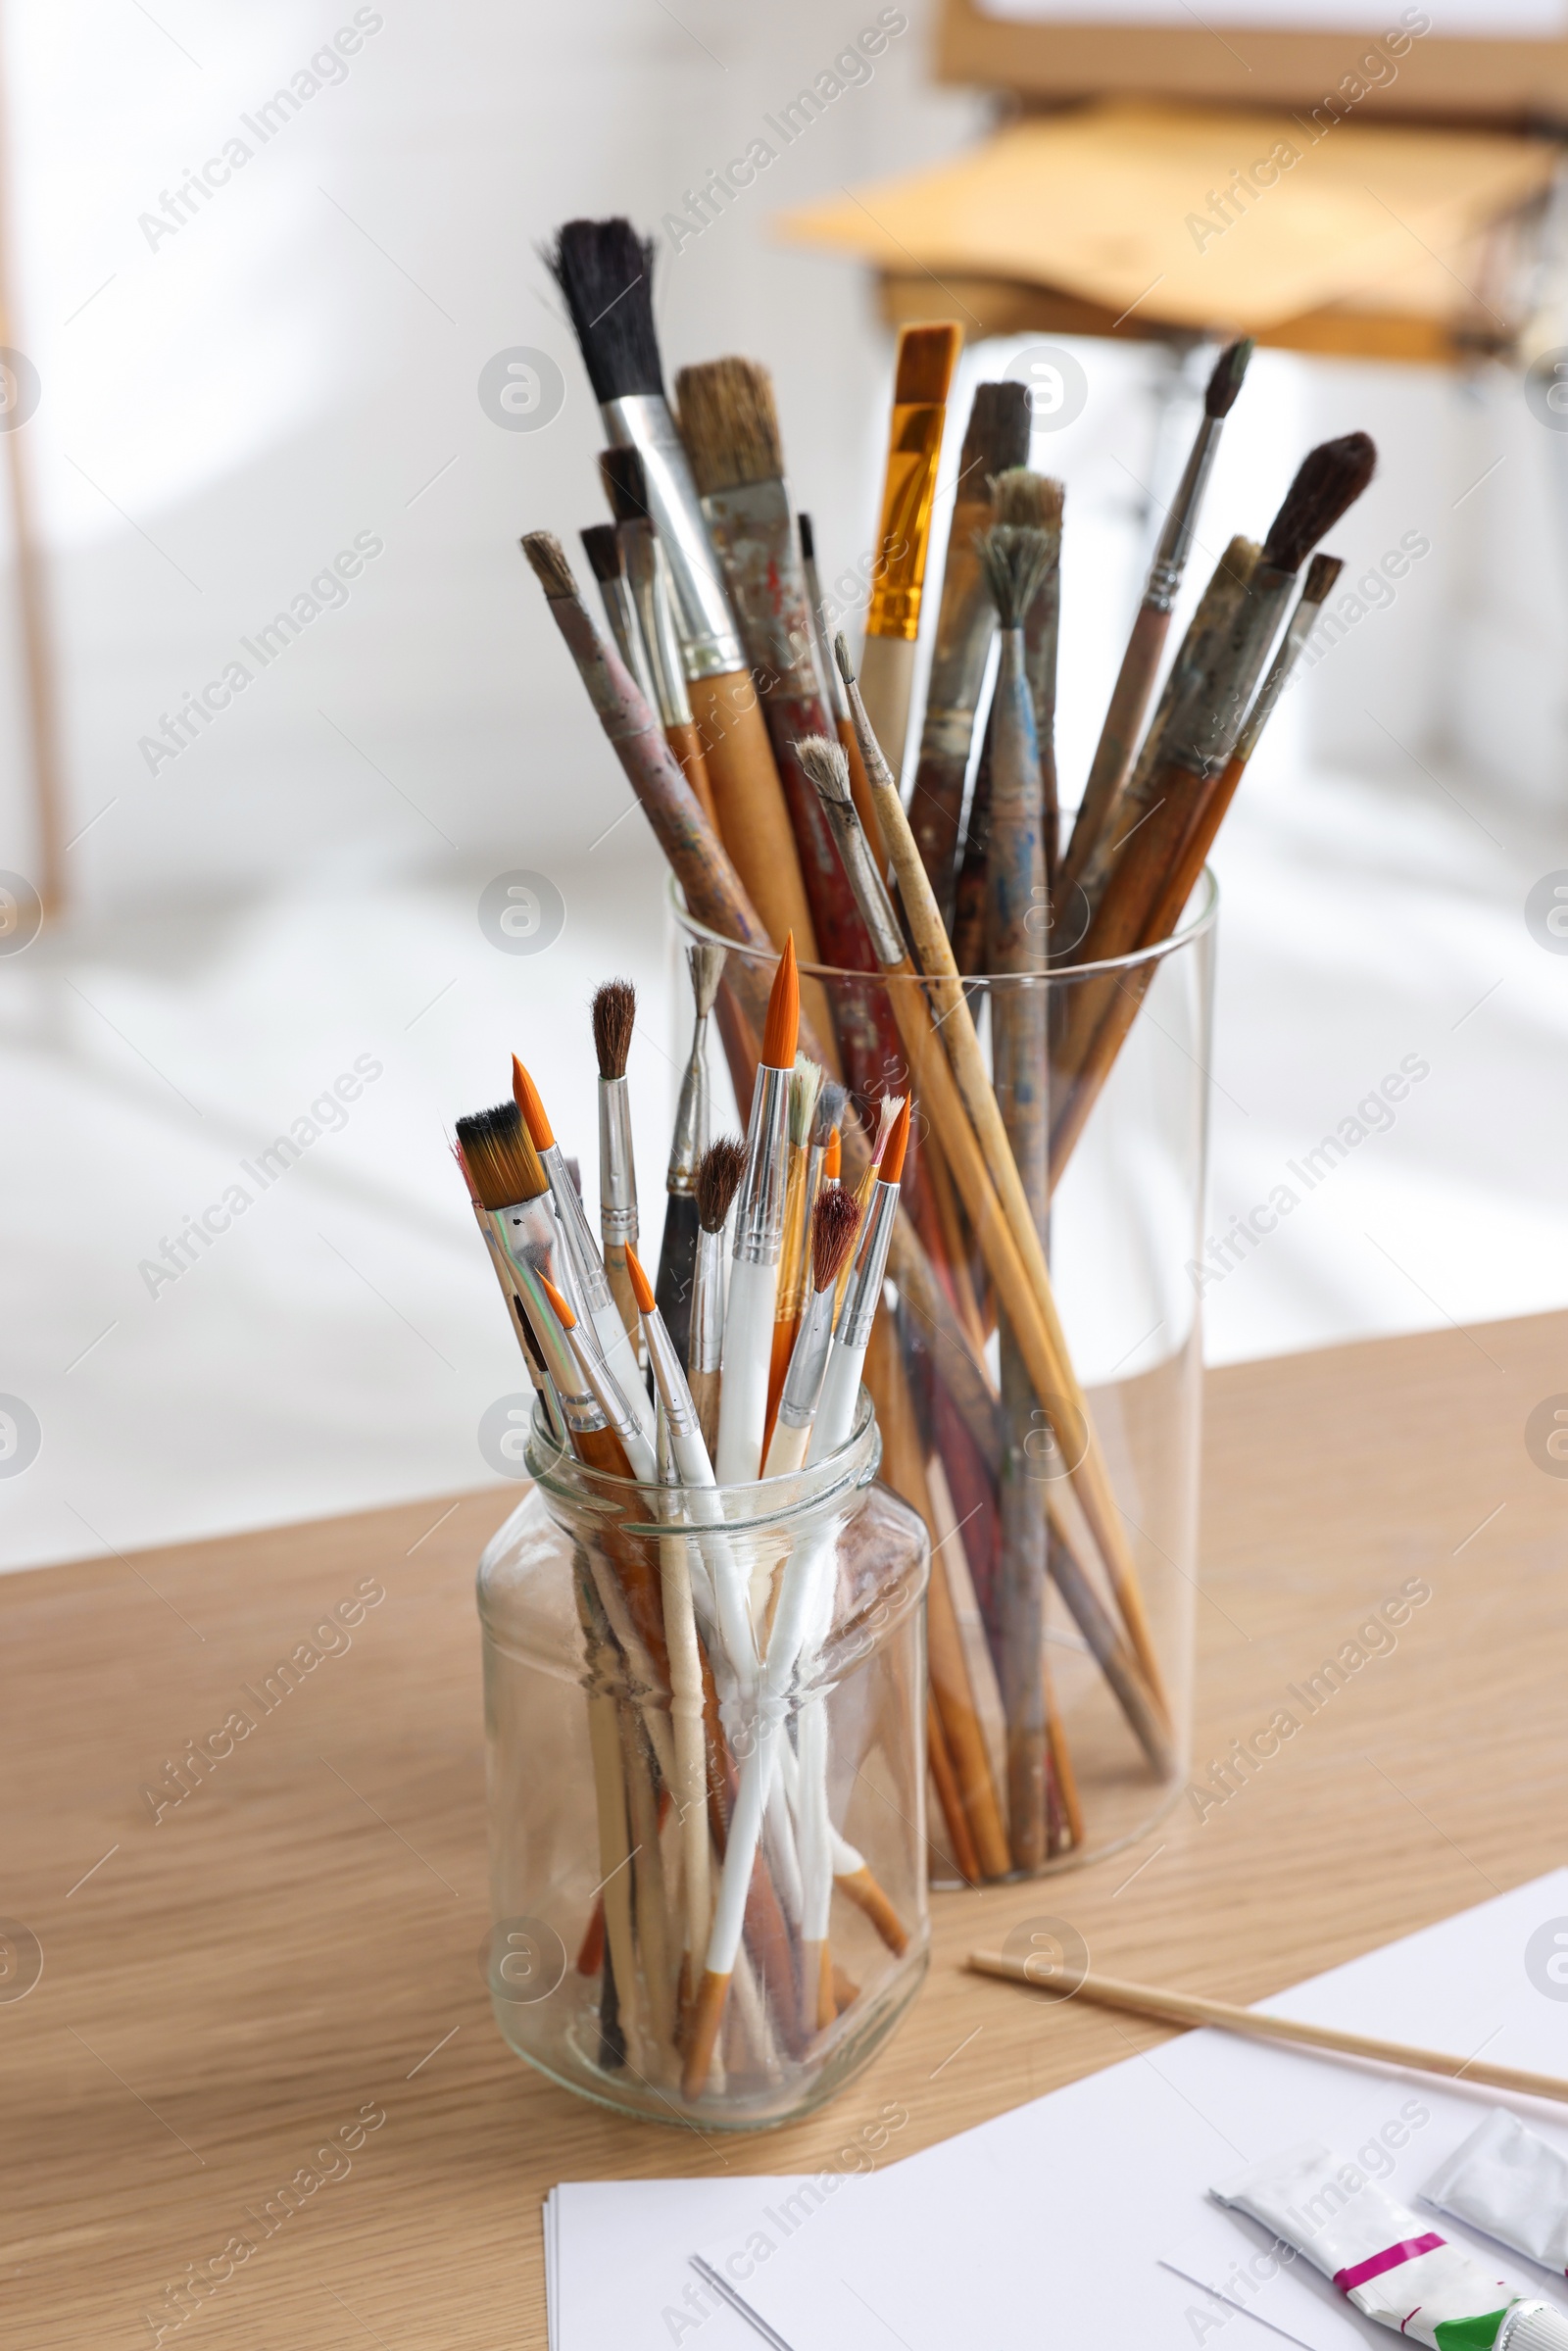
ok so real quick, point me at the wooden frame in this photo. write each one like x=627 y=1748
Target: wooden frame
x=1462 y=80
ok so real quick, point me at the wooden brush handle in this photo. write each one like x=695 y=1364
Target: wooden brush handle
x=946 y=1781
x=936 y=812
x=1118 y=737
x=687 y=746
x=887 y=685
x=860 y=794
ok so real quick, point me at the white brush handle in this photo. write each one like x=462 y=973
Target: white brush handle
x=834 y=1424
x=748 y=1355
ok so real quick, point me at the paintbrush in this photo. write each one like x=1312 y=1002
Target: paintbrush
x=523 y=1329
x=600 y=1385
x=835 y=1221
x=833 y=1422
x=1015 y=563
x=717 y=898
x=1034 y=501
x=1182 y=879
x=729 y=424
x=513 y=1187
x=758 y=1233
x=649 y=592
x=996 y=439
x=1129 y=698
x=927 y=355
x=718 y=1174
x=607 y=560
x=1201 y=728
x=678 y=1251
x=605 y=271
x=614 y=1016
x=843 y=723
x=794 y=1257
x=590 y=1283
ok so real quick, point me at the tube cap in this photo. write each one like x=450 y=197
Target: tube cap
x=1533 y=2327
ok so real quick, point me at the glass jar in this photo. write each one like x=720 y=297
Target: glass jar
x=622 y=1754
x=1062 y=1514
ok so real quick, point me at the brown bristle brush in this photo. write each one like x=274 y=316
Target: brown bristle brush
x=718 y=1175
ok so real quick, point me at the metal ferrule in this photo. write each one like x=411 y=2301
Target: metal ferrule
x=617 y=1173
x=512 y=1292
x=621 y=614
x=709 y=641
x=759 y=1203
x=707 y=1302
x=578 y=1407
x=803 y=1382
x=649 y=591
x=753 y=529
x=670 y=1382
x=1176 y=539
x=690 y=1139
x=1201 y=733
x=604 y=1390
x=864 y=1292
x=870 y=890
x=578 y=1246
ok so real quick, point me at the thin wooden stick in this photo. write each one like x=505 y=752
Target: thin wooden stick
x=1187 y=2008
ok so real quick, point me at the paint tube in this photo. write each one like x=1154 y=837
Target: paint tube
x=1385 y=2261
x=1507 y=2182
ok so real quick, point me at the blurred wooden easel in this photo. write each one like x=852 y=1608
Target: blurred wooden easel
x=1372 y=194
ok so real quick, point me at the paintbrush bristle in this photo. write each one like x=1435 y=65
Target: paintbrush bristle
x=890 y=1167
x=641 y=1288
x=500 y=1158
x=718 y=1174
x=557 y=1304
x=781 y=1031
x=888 y=1110
x=1017 y=560
x=996 y=437
x=835 y=1221
x=831 y=1103
x=551 y=568
x=605 y=271
x=1330 y=479
x=614 y=1016
x=927 y=357
x=1226 y=382
x=705 y=965
x=806 y=1084
x=729 y=424
x=1027 y=500
x=601 y=544
x=526 y=1094
x=825 y=767
x=1321 y=574
x=625 y=483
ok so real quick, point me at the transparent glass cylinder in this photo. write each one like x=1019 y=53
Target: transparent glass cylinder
x=1062 y=1511
x=619 y=1753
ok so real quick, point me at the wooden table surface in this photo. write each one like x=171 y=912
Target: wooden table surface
x=296 y=1946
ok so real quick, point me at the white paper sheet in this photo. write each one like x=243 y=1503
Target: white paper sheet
x=618 y=2275
x=1045 y=2222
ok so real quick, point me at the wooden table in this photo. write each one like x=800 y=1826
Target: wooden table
x=298 y=1941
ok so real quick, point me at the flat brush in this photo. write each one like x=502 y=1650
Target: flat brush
x=649 y=592
x=927 y=355
x=719 y=1174
x=1129 y=701
x=516 y=1313
x=590 y=1283
x=729 y=423
x=513 y=1187
x=605 y=271
x=601 y=544
x=843 y=723
x=678 y=1251
x=759 y=1235
x=834 y=1224
x=615 y=1018
x=996 y=439
x=1034 y=501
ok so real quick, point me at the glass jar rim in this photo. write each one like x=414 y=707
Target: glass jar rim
x=556 y=1472
x=1064 y=974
